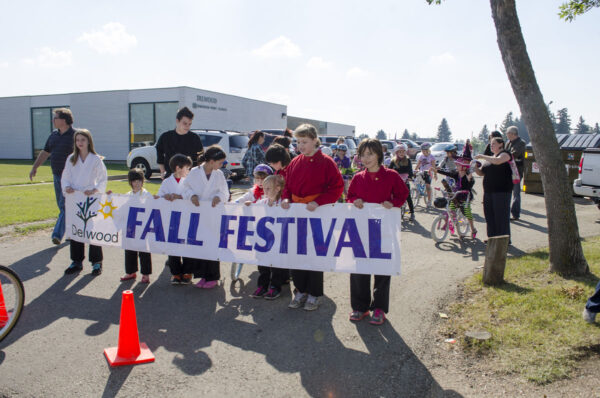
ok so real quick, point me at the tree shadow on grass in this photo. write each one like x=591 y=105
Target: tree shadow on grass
x=510 y=287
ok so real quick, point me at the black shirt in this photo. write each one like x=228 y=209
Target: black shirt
x=497 y=177
x=59 y=146
x=403 y=169
x=170 y=143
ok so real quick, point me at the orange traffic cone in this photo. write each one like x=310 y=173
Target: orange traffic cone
x=129 y=351
x=3 y=314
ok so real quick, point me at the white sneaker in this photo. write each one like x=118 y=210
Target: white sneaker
x=298 y=300
x=312 y=303
x=589 y=316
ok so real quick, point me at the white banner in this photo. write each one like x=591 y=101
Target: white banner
x=334 y=238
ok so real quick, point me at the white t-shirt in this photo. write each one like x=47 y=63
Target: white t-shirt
x=265 y=201
x=170 y=185
x=426 y=162
x=84 y=175
x=142 y=194
x=196 y=183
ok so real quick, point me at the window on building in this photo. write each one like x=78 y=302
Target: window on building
x=41 y=127
x=147 y=121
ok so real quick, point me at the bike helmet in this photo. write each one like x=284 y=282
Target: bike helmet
x=334 y=146
x=425 y=146
x=263 y=168
x=342 y=147
x=399 y=147
x=450 y=148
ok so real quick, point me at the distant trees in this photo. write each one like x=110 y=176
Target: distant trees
x=415 y=137
x=484 y=134
x=406 y=135
x=362 y=136
x=596 y=129
x=381 y=135
x=563 y=126
x=444 y=133
x=582 y=127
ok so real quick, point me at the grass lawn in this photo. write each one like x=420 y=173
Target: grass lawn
x=37 y=202
x=534 y=318
x=14 y=172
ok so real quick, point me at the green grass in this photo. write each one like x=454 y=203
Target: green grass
x=534 y=318
x=15 y=172
x=21 y=204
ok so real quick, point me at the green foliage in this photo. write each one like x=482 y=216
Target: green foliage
x=507 y=122
x=406 y=135
x=414 y=136
x=569 y=10
x=596 y=129
x=444 y=133
x=582 y=127
x=478 y=144
x=381 y=135
x=483 y=134
x=564 y=121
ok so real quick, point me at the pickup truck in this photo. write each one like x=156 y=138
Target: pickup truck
x=588 y=183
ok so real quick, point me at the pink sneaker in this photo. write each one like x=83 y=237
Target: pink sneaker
x=200 y=283
x=145 y=279
x=210 y=284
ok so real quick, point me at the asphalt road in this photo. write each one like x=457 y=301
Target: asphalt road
x=221 y=342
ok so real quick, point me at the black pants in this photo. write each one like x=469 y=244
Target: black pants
x=181 y=265
x=78 y=252
x=272 y=277
x=496 y=208
x=360 y=292
x=131 y=262
x=207 y=269
x=411 y=208
x=310 y=282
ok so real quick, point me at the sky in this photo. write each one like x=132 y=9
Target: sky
x=390 y=65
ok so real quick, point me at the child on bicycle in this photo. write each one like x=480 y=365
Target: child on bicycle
x=426 y=165
x=402 y=165
x=343 y=163
x=463 y=182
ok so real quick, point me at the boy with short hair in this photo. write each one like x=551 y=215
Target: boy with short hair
x=171 y=189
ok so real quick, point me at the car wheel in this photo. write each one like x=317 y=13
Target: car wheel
x=141 y=163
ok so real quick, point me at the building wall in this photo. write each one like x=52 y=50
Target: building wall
x=324 y=128
x=15 y=128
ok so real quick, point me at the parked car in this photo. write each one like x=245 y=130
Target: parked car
x=413 y=148
x=438 y=150
x=329 y=140
x=588 y=183
x=234 y=144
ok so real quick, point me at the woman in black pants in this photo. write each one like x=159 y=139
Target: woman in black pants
x=497 y=188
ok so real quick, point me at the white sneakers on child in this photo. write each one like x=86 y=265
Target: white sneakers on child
x=588 y=316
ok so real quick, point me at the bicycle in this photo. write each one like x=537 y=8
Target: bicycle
x=449 y=220
x=419 y=189
x=12 y=299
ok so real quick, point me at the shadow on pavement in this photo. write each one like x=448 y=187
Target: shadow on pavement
x=39 y=260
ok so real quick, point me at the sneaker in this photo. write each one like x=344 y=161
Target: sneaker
x=298 y=300
x=356 y=316
x=273 y=293
x=55 y=240
x=210 y=284
x=200 y=283
x=378 y=317
x=259 y=292
x=176 y=280
x=73 y=268
x=588 y=316
x=412 y=217
x=128 y=277
x=186 y=279
x=145 y=279
x=312 y=303
x=474 y=234
x=96 y=269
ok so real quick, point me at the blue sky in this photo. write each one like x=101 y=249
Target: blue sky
x=385 y=65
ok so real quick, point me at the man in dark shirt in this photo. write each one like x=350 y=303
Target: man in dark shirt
x=516 y=146
x=58 y=147
x=181 y=140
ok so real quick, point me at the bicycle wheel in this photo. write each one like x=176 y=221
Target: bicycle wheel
x=12 y=298
x=439 y=228
x=462 y=225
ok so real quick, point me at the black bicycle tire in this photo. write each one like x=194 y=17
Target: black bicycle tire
x=21 y=303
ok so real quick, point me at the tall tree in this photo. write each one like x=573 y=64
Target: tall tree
x=507 y=122
x=484 y=134
x=566 y=254
x=406 y=135
x=363 y=136
x=381 y=135
x=564 y=121
x=571 y=9
x=523 y=132
x=596 y=129
x=444 y=133
x=414 y=136
x=582 y=127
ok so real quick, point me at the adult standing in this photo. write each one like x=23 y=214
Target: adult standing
x=516 y=146
x=494 y=134
x=497 y=188
x=59 y=146
x=181 y=140
x=254 y=155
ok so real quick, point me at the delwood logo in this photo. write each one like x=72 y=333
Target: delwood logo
x=86 y=213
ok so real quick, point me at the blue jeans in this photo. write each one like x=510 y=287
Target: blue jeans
x=593 y=303
x=59 y=228
x=515 y=209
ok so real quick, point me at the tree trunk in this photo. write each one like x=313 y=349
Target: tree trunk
x=566 y=254
x=495 y=260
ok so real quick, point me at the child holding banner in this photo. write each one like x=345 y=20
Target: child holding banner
x=84 y=172
x=255 y=193
x=271 y=279
x=278 y=158
x=207 y=182
x=313 y=179
x=136 y=181
x=171 y=189
x=375 y=184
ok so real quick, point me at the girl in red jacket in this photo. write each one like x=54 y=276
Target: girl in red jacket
x=374 y=184
x=314 y=179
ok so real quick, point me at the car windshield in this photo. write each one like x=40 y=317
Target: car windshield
x=238 y=141
x=440 y=146
x=208 y=140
